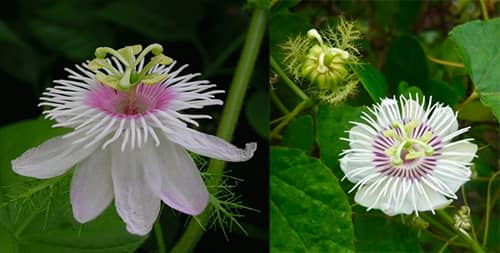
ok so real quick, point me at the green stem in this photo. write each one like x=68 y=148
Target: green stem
x=234 y=101
x=159 y=237
x=278 y=120
x=469 y=99
x=473 y=243
x=447 y=243
x=304 y=104
x=276 y=67
x=276 y=100
x=488 y=209
x=445 y=63
x=457 y=244
x=446 y=231
x=464 y=197
x=484 y=10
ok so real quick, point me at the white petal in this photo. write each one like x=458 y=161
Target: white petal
x=91 y=186
x=423 y=197
x=452 y=176
x=443 y=121
x=413 y=110
x=209 y=145
x=135 y=202
x=375 y=198
x=360 y=137
x=174 y=177
x=354 y=169
x=428 y=199
x=388 y=112
x=459 y=151
x=52 y=158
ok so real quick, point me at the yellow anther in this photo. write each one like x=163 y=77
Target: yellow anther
x=130 y=77
x=410 y=126
x=429 y=150
x=397 y=161
x=413 y=155
x=391 y=151
x=390 y=133
x=426 y=136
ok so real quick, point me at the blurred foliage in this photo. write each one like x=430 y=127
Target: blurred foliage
x=428 y=48
x=38 y=39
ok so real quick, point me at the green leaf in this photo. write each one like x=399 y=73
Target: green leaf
x=309 y=211
x=106 y=234
x=51 y=226
x=380 y=234
x=16 y=138
x=7 y=241
x=406 y=62
x=404 y=89
x=332 y=122
x=300 y=134
x=373 y=81
x=441 y=91
x=475 y=111
x=257 y=112
x=477 y=42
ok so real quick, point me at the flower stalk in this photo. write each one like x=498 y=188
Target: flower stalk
x=246 y=63
x=160 y=242
x=474 y=245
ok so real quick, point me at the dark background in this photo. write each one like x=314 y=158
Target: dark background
x=38 y=39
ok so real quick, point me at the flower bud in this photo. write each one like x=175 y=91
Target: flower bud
x=325 y=60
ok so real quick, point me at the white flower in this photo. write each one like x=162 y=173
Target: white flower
x=130 y=144
x=402 y=159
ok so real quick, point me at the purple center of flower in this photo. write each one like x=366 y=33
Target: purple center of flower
x=145 y=99
x=409 y=145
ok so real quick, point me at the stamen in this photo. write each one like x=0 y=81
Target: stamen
x=129 y=78
x=407 y=143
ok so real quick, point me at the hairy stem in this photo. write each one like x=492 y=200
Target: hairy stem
x=295 y=88
x=234 y=101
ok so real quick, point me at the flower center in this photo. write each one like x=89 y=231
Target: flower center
x=131 y=76
x=135 y=102
x=407 y=148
